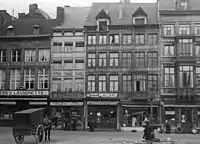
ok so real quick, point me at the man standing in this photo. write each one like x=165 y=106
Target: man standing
x=47 y=127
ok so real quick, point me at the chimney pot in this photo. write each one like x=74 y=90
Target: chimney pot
x=33 y=8
x=20 y=15
x=60 y=15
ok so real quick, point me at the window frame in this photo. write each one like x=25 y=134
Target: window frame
x=102 y=60
x=138 y=61
x=152 y=81
x=181 y=75
x=91 y=59
x=169 y=29
x=152 y=38
x=2 y=79
x=29 y=77
x=170 y=73
x=113 y=59
x=91 y=39
x=113 y=83
x=126 y=59
x=30 y=54
x=3 y=55
x=169 y=47
x=17 y=56
x=16 y=80
x=139 y=36
x=102 y=39
x=79 y=87
x=44 y=51
x=43 y=75
x=102 y=83
x=91 y=83
x=184 y=47
x=127 y=39
x=151 y=58
x=126 y=83
x=115 y=40
x=142 y=79
x=184 y=29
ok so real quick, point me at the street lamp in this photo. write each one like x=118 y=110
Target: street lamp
x=151 y=100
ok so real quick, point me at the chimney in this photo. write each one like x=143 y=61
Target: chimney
x=20 y=15
x=33 y=8
x=125 y=1
x=120 y=11
x=3 y=11
x=60 y=15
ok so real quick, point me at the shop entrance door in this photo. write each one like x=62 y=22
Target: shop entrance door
x=186 y=119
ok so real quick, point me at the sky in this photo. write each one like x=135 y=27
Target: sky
x=49 y=6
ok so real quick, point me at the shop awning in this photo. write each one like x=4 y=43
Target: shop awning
x=182 y=106
x=139 y=106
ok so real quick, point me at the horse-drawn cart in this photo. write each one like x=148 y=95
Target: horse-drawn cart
x=28 y=122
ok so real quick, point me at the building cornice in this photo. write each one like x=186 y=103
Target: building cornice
x=179 y=12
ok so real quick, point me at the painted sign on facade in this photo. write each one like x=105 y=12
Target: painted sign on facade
x=24 y=93
x=103 y=95
x=66 y=103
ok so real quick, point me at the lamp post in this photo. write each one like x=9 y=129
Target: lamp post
x=151 y=100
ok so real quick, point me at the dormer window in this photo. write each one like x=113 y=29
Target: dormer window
x=10 y=30
x=103 y=20
x=139 y=17
x=36 y=29
x=139 y=20
x=182 y=4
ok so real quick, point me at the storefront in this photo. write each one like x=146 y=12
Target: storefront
x=12 y=101
x=198 y=117
x=184 y=116
x=134 y=115
x=103 y=114
x=69 y=113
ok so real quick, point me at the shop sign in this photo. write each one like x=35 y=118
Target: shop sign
x=23 y=99
x=102 y=103
x=26 y=93
x=66 y=103
x=170 y=112
x=103 y=95
x=7 y=102
x=38 y=103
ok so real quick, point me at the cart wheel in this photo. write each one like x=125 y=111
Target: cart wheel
x=39 y=134
x=19 y=139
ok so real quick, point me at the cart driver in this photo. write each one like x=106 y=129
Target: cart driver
x=47 y=126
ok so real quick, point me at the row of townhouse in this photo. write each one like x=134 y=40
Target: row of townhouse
x=106 y=63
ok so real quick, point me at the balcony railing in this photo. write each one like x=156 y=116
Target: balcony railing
x=168 y=90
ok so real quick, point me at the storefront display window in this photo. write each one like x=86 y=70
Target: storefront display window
x=134 y=117
x=198 y=117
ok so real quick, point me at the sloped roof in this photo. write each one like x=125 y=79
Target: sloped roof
x=128 y=10
x=139 y=12
x=170 y=4
x=102 y=14
x=25 y=26
x=74 y=17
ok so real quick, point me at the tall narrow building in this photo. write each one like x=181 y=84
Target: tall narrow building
x=68 y=66
x=122 y=66
x=180 y=51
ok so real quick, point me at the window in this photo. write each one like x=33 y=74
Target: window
x=2 y=79
x=103 y=25
x=197 y=47
x=91 y=40
x=126 y=60
x=114 y=59
x=186 y=76
x=56 y=84
x=68 y=64
x=139 y=83
x=152 y=59
x=139 y=21
x=139 y=39
x=68 y=85
x=79 y=64
x=168 y=29
x=79 y=85
x=183 y=4
x=43 y=79
x=16 y=55
x=79 y=44
x=68 y=47
x=169 y=77
x=29 y=55
x=44 y=55
x=197 y=29
x=152 y=83
x=29 y=78
x=114 y=39
x=2 y=55
x=168 y=50
x=127 y=39
x=114 y=83
x=91 y=83
x=140 y=59
x=102 y=59
x=184 y=29
x=198 y=77
x=57 y=47
x=91 y=59
x=185 y=47
x=126 y=82
x=152 y=39
x=15 y=77
x=102 y=39
x=102 y=83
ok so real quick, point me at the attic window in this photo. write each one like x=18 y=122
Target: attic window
x=36 y=29
x=10 y=30
x=103 y=20
x=103 y=25
x=139 y=20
